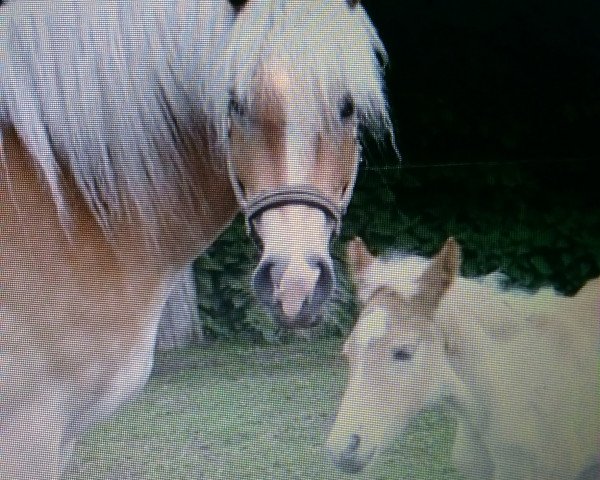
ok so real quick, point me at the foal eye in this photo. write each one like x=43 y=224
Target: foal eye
x=347 y=108
x=403 y=354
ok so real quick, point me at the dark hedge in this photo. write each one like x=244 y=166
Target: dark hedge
x=539 y=223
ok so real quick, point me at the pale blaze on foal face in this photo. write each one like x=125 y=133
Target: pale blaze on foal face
x=387 y=351
x=396 y=351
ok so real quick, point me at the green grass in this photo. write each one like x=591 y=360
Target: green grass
x=247 y=412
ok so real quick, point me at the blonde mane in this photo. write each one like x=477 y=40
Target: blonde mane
x=483 y=302
x=127 y=99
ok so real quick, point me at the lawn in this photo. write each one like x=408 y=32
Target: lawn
x=247 y=412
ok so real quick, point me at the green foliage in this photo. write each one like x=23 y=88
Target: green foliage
x=227 y=304
x=225 y=298
x=538 y=224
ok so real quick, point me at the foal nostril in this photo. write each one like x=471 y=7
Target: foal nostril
x=354 y=443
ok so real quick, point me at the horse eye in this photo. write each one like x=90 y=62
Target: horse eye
x=236 y=107
x=347 y=108
x=403 y=354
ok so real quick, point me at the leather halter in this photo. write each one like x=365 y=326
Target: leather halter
x=293 y=195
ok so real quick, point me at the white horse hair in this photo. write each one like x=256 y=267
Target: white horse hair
x=131 y=133
x=101 y=95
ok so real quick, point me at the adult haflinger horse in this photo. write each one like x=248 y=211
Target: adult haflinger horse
x=519 y=371
x=130 y=133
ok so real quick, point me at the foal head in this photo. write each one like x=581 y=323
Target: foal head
x=302 y=87
x=397 y=355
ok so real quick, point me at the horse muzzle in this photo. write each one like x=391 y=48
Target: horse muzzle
x=294 y=290
x=295 y=276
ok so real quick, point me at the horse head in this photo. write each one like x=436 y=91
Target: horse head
x=294 y=116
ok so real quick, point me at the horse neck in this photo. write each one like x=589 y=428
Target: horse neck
x=526 y=328
x=184 y=224
x=196 y=201
x=465 y=392
x=181 y=233
x=480 y=324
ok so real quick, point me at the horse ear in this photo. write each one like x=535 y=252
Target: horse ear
x=358 y=256
x=438 y=277
x=353 y=3
x=238 y=4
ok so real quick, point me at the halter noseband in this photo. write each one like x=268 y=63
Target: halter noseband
x=292 y=195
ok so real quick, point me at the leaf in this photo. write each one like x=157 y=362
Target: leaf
x=584 y=268
x=541 y=265
x=239 y=301
x=204 y=283
x=209 y=263
x=566 y=258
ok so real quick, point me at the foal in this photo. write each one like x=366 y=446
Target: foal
x=519 y=371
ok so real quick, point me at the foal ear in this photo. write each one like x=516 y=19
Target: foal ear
x=438 y=277
x=358 y=256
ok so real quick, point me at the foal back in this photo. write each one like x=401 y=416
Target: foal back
x=541 y=392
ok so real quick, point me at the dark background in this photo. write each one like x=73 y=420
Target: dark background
x=499 y=77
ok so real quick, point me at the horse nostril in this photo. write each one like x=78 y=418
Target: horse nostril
x=263 y=282
x=295 y=289
x=354 y=443
x=325 y=282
